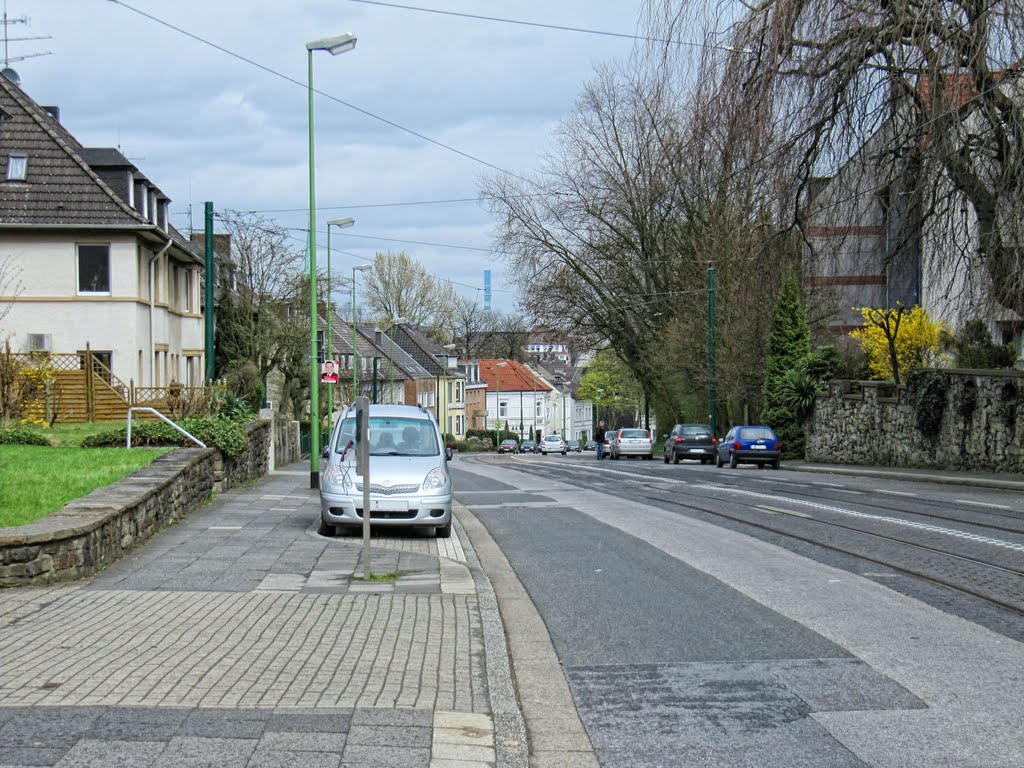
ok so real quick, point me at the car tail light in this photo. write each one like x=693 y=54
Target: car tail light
x=714 y=440
x=778 y=445
x=679 y=438
x=737 y=445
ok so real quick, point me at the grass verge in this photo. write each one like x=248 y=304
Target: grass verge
x=36 y=480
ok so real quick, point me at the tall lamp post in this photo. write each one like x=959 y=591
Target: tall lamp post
x=391 y=360
x=497 y=401
x=334 y=46
x=348 y=221
x=355 y=379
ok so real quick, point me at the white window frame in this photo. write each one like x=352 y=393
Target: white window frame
x=78 y=270
x=17 y=166
x=503 y=409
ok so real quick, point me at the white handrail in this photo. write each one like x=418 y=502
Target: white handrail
x=159 y=415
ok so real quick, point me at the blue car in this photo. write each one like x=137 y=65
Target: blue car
x=750 y=445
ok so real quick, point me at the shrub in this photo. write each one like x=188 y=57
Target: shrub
x=19 y=435
x=897 y=340
x=229 y=437
x=974 y=348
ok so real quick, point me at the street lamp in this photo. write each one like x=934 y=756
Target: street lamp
x=340 y=224
x=355 y=379
x=391 y=361
x=334 y=46
x=497 y=401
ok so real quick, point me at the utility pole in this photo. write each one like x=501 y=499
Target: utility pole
x=210 y=279
x=712 y=395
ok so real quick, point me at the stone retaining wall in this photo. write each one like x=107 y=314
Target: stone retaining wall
x=97 y=529
x=871 y=423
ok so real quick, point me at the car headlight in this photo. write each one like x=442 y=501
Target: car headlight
x=336 y=477
x=437 y=478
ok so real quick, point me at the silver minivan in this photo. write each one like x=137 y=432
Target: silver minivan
x=409 y=479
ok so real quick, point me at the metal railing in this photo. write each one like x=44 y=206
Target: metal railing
x=155 y=412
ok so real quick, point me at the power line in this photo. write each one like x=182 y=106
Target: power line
x=559 y=27
x=292 y=80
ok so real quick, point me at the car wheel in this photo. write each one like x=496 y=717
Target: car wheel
x=648 y=458
x=760 y=465
x=732 y=460
x=563 y=453
x=776 y=464
x=703 y=461
x=326 y=530
x=666 y=458
x=675 y=457
x=443 y=531
x=718 y=460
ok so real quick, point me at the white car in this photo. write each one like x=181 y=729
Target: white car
x=409 y=480
x=633 y=442
x=553 y=444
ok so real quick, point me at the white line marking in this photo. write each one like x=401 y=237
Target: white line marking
x=830 y=485
x=982 y=504
x=850 y=490
x=897 y=493
x=225 y=528
x=883 y=519
x=782 y=511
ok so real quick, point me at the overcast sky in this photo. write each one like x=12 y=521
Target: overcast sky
x=204 y=125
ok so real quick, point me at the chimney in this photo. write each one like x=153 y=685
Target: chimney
x=53 y=112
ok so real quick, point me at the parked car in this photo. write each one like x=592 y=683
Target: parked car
x=408 y=468
x=591 y=445
x=690 y=441
x=750 y=445
x=553 y=444
x=609 y=441
x=574 y=445
x=508 y=446
x=528 y=446
x=633 y=441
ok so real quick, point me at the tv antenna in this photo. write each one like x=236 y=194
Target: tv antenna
x=7 y=22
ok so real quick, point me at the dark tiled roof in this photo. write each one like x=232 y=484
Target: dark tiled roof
x=61 y=188
x=106 y=157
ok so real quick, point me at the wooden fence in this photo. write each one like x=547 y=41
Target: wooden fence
x=78 y=387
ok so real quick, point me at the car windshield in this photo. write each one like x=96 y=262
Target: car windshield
x=552 y=439
x=394 y=436
x=756 y=433
x=508 y=442
x=695 y=432
x=633 y=433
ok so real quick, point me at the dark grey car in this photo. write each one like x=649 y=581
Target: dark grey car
x=690 y=441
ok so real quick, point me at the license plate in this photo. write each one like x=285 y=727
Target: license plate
x=696 y=450
x=386 y=505
x=759 y=447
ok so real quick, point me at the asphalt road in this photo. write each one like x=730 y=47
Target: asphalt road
x=692 y=611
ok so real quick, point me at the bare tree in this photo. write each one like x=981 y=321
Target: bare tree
x=10 y=286
x=473 y=328
x=400 y=286
x=932 y=88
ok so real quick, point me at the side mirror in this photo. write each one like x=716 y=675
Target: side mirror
x=326 y=453
x=448 y=452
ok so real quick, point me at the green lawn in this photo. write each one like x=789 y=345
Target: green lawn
x=36 y=480
x=71 y=435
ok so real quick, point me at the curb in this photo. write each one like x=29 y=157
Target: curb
x=978 y=482
x=510 y=741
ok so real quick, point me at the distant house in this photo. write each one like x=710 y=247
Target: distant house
x=516 y=397
x=449 y=407
x=572 y=418
x=476 y=395
x=98 y=262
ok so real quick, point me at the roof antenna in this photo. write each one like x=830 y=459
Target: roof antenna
x=7 y=22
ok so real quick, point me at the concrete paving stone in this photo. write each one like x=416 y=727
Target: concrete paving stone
x=477 y=720
x=435 y=763
x=138 y=723
x=190 y=752
x=29 y=756
x=285 y=759
x=463 y=752
x=92 y=753
x=309 y=721
x=563 y=759
x=302 y=741
x=366 y=756
x=47 y=727
x=473 y=736
x=226 y=723
x=390 y=735
x=401 y=716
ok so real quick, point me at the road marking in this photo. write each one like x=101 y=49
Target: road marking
x=897 y=493
x=782 y=511
x=224 y=528
x=850 y=490
x=955 y=533
x=982 y=504
x=830 y=485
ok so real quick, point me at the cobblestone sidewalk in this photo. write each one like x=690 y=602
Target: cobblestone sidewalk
x=242 y=637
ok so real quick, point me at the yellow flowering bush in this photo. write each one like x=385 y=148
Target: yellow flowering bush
x=897 y=340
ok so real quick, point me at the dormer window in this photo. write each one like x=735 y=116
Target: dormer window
x=17 y=167
x=131 y=189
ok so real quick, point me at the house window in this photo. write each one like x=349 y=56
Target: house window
x=17 y=167
x=538 y=408
x=190 y=299
x=502 y=409
x=94 y=269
